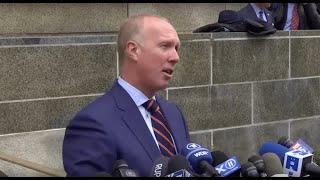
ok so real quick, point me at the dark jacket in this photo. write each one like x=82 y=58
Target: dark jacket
x=248 y=12
x=309 y=17
x=111 y=128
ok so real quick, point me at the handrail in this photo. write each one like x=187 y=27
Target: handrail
x=33 y=165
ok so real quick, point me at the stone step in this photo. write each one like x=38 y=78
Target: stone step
x=41 y=147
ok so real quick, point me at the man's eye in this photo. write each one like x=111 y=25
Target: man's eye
x=164 y=45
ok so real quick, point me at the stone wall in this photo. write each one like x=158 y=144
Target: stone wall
x=35 y=18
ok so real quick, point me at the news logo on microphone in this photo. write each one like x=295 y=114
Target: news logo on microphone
x=302 y=146
x=180 y=173
x=229 y=166
x=294 y=161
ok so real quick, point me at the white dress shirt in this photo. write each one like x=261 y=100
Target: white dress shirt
x=257 y=10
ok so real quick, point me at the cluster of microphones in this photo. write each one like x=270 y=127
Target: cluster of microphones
x=282 y=159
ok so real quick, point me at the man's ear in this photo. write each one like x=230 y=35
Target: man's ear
x=132 y=50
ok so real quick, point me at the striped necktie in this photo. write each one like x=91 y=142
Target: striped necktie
x=160 y=128
x=295 y=17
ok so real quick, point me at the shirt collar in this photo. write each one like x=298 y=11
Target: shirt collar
x=137 y=96
x=256 y=9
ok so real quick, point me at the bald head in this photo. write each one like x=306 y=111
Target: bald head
x=132 y=29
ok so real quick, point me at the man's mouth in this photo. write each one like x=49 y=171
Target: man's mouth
x=168 y=71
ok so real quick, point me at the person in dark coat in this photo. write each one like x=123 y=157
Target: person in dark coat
x=257 y=12
x=295 y=16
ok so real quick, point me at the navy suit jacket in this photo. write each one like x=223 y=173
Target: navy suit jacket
x=249 y=13
x=112 y=128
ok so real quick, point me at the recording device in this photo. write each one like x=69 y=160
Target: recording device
x=298 y=145
x=295 y=162
x=160 y=167
x=249 y=170
x=121 y=169
x=178 y=166
x=273 y=166
x=200 y=159
x=258 y=162
x=219 y=158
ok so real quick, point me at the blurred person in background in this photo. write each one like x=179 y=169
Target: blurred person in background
x=295 y=16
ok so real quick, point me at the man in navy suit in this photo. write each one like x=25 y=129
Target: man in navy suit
x=117 y=125
x=257 y=12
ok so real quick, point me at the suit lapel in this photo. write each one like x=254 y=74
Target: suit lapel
x=135 y=122
x=173 y=121
x=252 y=14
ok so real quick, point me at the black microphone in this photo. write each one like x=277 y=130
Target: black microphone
x=312 y=169
x=178 y=166
x=220 y=157
x=2 y=174
x=285 y=141
x=160 y=167
x=273 y=165
x=249 y=170
x=121 y=169
x=258 y=162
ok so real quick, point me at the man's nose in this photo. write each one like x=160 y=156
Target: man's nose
x=174 y=57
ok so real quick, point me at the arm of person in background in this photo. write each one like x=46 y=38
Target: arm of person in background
x=277 y=12
x=312 y=14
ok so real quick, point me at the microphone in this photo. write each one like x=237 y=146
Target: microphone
x=2 y=174
x=298 y=145
x=296 y=163
x=121 y=169
x=285 y=141
x=224 y=165
x=200 y=159
x=270 y=146
x=249 y=170
x=178 y=166
x=160 y=167
x=273 y=165
x=258 y=162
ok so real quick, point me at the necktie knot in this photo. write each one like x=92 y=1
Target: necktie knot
x=151 y=105
x=261 y=15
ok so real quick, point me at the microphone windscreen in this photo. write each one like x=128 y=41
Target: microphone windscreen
x=218 y=157
x=272 y=164
x=249 y=170
x=178 y=162
x=160 y=167
x=258 y=162
x=196 y=154
x=119 y=163
x=2 y=174
x=278 y=149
